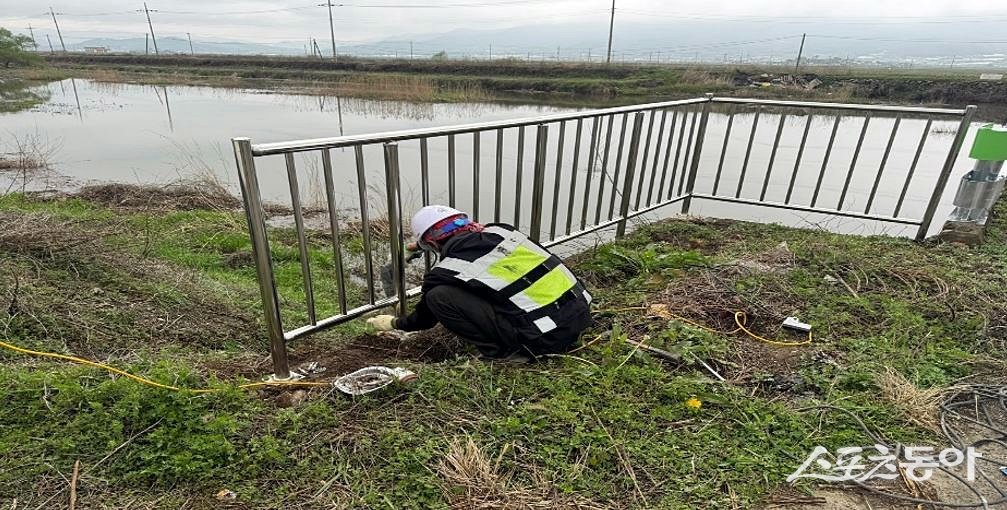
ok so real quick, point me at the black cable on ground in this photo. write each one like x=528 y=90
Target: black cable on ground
x=976 y=406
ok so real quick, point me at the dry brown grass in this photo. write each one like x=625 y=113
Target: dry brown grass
x=472 y=481
x=182 y=196
x=409 y=88
x=705 y=78
x=398 y=87
x=28 y=152
x=80 y=284
x=919 y=406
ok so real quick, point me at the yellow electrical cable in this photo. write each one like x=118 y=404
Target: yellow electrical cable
x=740 y=319
x=148 y=382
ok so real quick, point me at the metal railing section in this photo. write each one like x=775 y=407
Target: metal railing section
x=838 y=112
x=638 y=159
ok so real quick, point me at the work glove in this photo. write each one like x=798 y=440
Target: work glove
x=382 y=322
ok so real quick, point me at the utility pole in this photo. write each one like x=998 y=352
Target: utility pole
x=60 y=34
x=611 y=28
x=191 y=51
x=491 y=52
x=33 y=43
x=800 y=53
x=151 y=26
x=410 y=50
x=50 y=44
x=146 y=43
x=332 y=27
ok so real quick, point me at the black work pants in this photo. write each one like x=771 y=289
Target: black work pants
x=476 y=320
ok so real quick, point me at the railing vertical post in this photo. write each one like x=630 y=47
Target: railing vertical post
x=942 y=179
x=696 y=153
x=395 y=225
x=538 y=182
x=260 y=249
x=627 y=185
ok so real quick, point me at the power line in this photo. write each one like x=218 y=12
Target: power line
x=366 y=6
x=852 y=19
x=885 y=39
x=230 y=13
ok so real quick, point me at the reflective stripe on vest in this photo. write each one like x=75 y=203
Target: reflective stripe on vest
x=545 y=290
x=513 y=258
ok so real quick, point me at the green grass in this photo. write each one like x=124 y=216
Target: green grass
x=581 y=428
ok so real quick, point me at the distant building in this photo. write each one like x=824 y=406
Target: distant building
x=96 y=50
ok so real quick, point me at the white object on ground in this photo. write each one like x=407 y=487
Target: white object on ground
x=371 y=379
x=795 y=323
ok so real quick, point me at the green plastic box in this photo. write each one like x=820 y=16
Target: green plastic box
x=991 y=144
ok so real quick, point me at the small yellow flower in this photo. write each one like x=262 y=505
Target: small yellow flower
x=694 y=403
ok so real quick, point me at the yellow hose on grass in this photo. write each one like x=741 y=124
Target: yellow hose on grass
x=149 y=382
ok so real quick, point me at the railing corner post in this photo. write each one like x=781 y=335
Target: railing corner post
x=627 y=187
x=942 y=179
x=255 y=214
x=538 y=183
x=696 y=153
x=395 y=226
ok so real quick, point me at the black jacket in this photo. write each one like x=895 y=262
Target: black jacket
x=571 y=312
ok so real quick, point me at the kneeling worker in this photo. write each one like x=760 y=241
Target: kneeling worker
x=500 y=291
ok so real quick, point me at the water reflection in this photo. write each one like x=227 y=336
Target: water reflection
x=339 y=110
x=132 y=133
x=167 y=106
x=16 y=95
x=76 y=99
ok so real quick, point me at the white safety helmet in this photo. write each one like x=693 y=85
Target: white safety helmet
x=429 y=216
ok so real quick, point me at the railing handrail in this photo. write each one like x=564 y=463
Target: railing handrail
x=842 y=106
x=272 y=148
x=267 y=149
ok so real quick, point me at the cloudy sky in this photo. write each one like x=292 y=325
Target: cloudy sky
x=361 y=21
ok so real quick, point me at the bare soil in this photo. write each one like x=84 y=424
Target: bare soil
x=331 y=361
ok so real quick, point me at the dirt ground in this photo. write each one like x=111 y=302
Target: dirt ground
x=324 y=360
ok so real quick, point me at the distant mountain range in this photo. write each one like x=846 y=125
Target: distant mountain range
x=709 y=41
x=178 y=45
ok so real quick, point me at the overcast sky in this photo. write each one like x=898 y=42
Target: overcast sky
x=373 y=20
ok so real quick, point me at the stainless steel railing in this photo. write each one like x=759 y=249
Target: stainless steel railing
x=590 y=170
